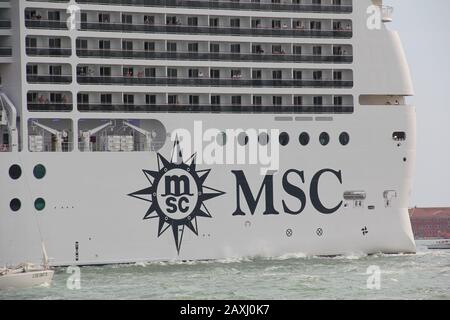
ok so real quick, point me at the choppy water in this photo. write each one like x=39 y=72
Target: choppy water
x=425 y=275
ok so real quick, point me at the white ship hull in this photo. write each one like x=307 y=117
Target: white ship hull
x=90 y=218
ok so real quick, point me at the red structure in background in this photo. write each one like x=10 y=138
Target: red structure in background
x=430 y=223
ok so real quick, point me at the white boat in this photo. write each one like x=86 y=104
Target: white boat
x=25 y=276
x=440 y=245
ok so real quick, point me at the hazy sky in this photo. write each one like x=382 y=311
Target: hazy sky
x=424 y=28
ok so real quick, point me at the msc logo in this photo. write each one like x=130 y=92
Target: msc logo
x=177 y=195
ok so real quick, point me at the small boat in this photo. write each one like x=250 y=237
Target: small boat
x=27 y=275
x=440 y=245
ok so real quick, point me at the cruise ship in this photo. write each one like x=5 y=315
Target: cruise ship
x=119 y=119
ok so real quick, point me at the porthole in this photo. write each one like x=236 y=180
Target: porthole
x=284 y=138
x=39 y=204
x=221 y=139
x=263 y=139
x=304 y=139
x=39 y=171
x=243 y=139
x=15 y=172
x=324 y=138
x=15 y=205
x=344 y=138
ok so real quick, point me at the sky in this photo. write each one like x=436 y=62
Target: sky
x=424 y=27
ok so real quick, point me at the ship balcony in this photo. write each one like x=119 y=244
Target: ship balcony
x=387 y=13
x=49 y=107
x=49 y=79
x=46 y=24
x=49 y=52
x=207 y=82
x=299 y=32
x=211 y=108
x=251 y=5
x=208 y=56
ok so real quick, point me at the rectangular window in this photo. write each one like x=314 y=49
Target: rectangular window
x=298 y=50
x=337 y=75
x=83 y=98
x=215 y=73
x=318 y=101
x=104 y=44
x=150 y=99
x=103 y=18
x=193 y=73
x=193 y=47
x=277 y=75
x=214 y=22
x=171 y=46
x=172 y=99
x=256 y=23
x=214 y=47
x=54 y=16
x=194 y=100
x=257 y=100
x=277 y=100
x=55 y=70
x=127 y=19
x=32 y=69
x=338 y=101
x=149 y=46
x=317 y=50
x=54 y=43
x=215 y=100
x=235 y=48
x=32 y=97
x=106 y=98
x=172 y=73
x=298 y=100
x=276 y=24
x=82 y=44
x=317 y=75
x=149 y=20
x=193 y=21
x=256 y=74
x=315 y=25
x=127 y=45
x=128 y=72
x=236 y=100
x=128 y=99
x=298 y=75
x=31 y=42
x=150 y=72
x=105 y=71
x=235 y=23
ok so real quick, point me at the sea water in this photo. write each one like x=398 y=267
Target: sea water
x=425 y=275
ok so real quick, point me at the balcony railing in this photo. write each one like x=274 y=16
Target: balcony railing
x=49 y=52
x=49 y=107
x=5 y=24
x=49 y=79
x=214 y=82
x=223 y=5
x=208 y=108
x=205 y=30
x=46 y=24
x=5 y=52
x=207 y=56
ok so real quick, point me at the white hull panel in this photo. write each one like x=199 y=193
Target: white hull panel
x=91 y=219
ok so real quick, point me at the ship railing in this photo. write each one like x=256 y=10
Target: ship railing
x=51 y=147
x=49 y=107
x=46 y=51
x=212 y=82
x=186 y=29
x=137 y=147
x=208 y=56
x=210 y=108
x=31 y=78
x=222 y=4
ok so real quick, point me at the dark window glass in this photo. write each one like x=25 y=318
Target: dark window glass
x=324 y=138
x=39 y=171
x=284 y=138
x=304 y=139
x=344 y=138
x=39 y=204
x=15 y=205
x=15 y=172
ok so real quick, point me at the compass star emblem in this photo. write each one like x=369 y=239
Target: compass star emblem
x=177 y=194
